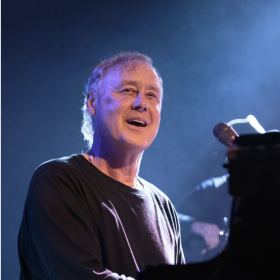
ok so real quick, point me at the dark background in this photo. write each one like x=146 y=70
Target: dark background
x=220 y=60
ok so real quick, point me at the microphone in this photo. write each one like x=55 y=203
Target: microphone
x=225 y=134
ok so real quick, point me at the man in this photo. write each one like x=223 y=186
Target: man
x=90 y=216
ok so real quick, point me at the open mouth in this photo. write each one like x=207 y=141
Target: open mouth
x=137 y=123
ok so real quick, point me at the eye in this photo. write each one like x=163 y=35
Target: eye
x=128 y=90
x=152 y=95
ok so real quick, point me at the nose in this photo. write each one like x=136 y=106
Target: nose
x=139 y=104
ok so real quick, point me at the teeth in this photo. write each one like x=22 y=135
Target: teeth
x=139 y=122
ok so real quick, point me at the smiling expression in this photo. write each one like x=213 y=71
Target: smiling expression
x=128 y=106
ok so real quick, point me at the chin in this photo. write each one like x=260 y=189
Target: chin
x=137 y=143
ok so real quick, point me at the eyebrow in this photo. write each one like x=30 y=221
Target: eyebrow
x=136 y=84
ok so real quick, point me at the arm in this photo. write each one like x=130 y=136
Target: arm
x=58 y=237
x=210 y=233
x=180 y=258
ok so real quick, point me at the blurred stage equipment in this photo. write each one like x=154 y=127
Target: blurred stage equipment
x=253 y=249
x=251 y=120
x=196 y=246
x=212 y=182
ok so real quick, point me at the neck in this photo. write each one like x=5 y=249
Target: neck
x=118 y=163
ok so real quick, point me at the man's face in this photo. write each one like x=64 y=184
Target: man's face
x=128 y=106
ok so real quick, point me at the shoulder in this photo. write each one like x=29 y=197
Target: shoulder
x=162 y=199
x=155 y=191
x=160 y=196
x=59 y=166
x=57 y=178
x=66 y=169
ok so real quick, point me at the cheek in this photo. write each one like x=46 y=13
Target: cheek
x=111 y=108
x=159 y=107
x=110 y=104
x=157 y=113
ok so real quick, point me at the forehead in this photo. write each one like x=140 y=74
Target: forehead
x=139 y=73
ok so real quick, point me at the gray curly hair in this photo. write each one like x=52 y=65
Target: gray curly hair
x=99 y=72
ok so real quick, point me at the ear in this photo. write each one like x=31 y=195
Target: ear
x=91 y=102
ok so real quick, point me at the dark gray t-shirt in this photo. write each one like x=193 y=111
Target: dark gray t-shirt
x=79 y=223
